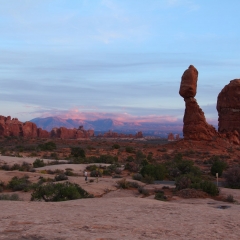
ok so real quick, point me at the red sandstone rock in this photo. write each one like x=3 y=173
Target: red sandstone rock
x=29 y=129
x=228 y=107
x=170 y=137
x=42 y=133
x=188 y=86
x=195 y=125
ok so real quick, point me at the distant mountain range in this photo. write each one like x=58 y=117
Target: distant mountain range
x=104 y=125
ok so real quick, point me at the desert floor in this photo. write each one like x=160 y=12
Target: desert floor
x=117 y=214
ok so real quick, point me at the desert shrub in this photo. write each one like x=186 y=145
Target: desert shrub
x=25 y=167
x=137 y=176
x=38 y=163
x=78 y=160
x=11 y=197
x=107 y=172
x=19 y=184
x=92 y=167
x=54 y=156
x=209 y=187
x=160 y=196
x=129 y=149
x=218 y=166
x=191 y=181
x=6 y=167
x=156 y=171
x=133 y=185
x=15 y=166
x=61 y=177
x=140 y=155
x=2 y=185
x=148 y=179
x=48 y=146
x=69 y=173
x=232 y=176
x=144 y=162
x=230 y=198
x=108 y=159
x=51 y=192
x=143 y=191
x=130 y=159
x=123 y=183
x=118 y=170
x=179 y=167
x=115 y=146
x=77 y=152
x=132 y=167
x=95 y=173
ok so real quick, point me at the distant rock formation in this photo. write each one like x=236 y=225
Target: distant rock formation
x=195 y=125
x=228 y=107
x=13 y=127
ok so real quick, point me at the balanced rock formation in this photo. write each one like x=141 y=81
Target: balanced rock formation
x=228 y=107
x=188 y=87
x=195 y=125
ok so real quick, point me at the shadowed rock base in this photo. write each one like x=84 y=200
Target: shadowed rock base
x=195 y=125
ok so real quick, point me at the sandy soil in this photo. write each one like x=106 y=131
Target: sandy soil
x=118 y=214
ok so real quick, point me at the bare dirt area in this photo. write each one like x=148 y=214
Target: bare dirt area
x=117 y=213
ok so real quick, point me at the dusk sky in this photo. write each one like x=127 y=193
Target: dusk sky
x=120 y=59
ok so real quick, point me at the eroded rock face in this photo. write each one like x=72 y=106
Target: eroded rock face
x=228 y=107
x=188 y=87
x=195 y=125
x=29 y=129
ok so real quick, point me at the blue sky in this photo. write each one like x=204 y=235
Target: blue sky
x=114 y=58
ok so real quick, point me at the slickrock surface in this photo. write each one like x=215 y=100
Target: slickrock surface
x=119 y=218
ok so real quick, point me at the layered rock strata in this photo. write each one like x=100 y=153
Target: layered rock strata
x=195 y=125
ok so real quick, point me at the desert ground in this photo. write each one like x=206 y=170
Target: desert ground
x=116 y=213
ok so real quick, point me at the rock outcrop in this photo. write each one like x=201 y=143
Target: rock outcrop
x=195 y=125
x=228 y=107
x=13 y=127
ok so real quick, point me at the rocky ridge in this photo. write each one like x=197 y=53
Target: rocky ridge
x=13 y=127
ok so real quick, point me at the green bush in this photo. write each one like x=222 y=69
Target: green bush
x=19 y=184
x=78 y=152
x=38 y=163
x=123 y=183
x=129 y=149
x=59 y=192
x=11 y=197
x=137 y=176
x=115 y=146
x=61 y=177
x=156 y=171
x=48 y=146
x=160 y=196
x=92 y=167
x=209 y=187
x=191 y=181
x=218 y=167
